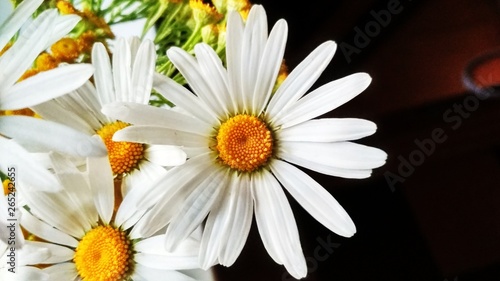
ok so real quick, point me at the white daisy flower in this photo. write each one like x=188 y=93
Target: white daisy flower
x=32 y=133
x=243 y=143
x=18 y=264
x=128 y=79
x=88 y=240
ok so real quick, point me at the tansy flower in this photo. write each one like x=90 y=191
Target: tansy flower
x=32 y=133
x=87 y=240
x=128 y=79
x=244 y=142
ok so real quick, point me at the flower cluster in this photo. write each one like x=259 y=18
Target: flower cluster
x=148 y=159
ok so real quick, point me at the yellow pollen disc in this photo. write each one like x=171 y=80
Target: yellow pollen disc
x=244 y=143
x=104 y=253
x=66 y=49
x=66 y=7
x=123 y=156
x=8 y=187
x=46 y=61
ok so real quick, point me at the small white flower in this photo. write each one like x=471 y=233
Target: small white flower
x=88 y=240
x=129 y=78
x=244 y=142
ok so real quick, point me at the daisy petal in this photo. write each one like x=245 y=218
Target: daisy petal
x=45 y=86
x=45 y=231
x=15 y=155
x=177 y=176
x=32 y=40
x=76 y=191
x=189 y=246
x=277 y=225
x=328 y=130
x=189 y=68
x=61 y=271
x=102 y=187
x=184 y=257
x=103 y=74
x=53 y=111
x=86 y=95
x=145 y=175
x=135 y=44
x=234 y=36
x=211 y=239
x=324 y=99
x=25 y=273
x=122 y=72
x=165 y=155
x=151 y=172
x=159 y=135
x=314 y=198
x=252 y=47
x=183 y=98
x=145 y=273
x=211 y=66
x=327 y=169
x=13 y=23
x=195 y=209
x=142 y=73
x=128 y=213
x=42 y=135
x=57 y=253
x=141 y=114
x=269 y=67
x=240 y=214
x=79 y=109
x=346 y=155
x=32 y=253
x=301 y=79
x=62 y=26
x=53 y=209
x=168 y=193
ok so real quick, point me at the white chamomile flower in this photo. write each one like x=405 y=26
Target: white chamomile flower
x=88 y=240
x=243 y=143
x=128 y=78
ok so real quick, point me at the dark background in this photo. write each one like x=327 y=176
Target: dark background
x=432 y=213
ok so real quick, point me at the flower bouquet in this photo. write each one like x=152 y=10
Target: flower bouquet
x=148 y=156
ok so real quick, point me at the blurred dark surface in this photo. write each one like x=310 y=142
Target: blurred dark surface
x=432 y=213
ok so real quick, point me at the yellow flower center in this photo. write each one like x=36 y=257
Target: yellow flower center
x=46 y=61
x=123 y=156
x=204 y=13
x=66 y=49
x=8 y=187
x=244 y=143
x=66 y=7
x=104 y=253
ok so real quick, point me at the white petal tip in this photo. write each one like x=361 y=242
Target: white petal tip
x=348 y=230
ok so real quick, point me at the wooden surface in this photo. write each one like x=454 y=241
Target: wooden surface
x=443 y=221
